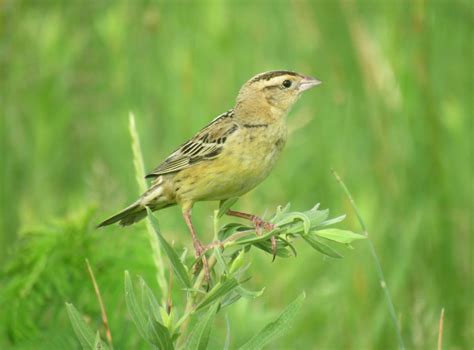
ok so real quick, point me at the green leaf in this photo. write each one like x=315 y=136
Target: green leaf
x=200 y=334
x=282 y=251
x=249 y=294
x=86 y=336
x=229 y=299
x=330 y=221
x=178 y=267
x=291 y=217
x=231 y=228
x=149 y=302
x=226 y=205
x=336 y=235
x=219 y=291
x=98 y=345
x=276 y=328
x=159 y=335
x=227 y=334
x=321 y=247
x=137 y=153
x=260 y=238
x=134 y=309
x=280 y=212
x=145 y=318
x=237 y=261
x=220 y=259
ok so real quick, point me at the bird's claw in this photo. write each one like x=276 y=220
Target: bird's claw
x=260 y=223
x=267 y=226
x=274 y=247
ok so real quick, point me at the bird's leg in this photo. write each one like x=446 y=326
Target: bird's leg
x=199 y=250
x=259 y=223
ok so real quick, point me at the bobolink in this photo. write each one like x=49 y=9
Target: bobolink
x=227 y=158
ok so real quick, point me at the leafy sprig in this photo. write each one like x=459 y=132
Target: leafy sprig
x=168 y=329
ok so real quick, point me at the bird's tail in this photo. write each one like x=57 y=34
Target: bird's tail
x=128 y=216
x=153 y=198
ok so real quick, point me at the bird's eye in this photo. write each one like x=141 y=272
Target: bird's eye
x=286 y=83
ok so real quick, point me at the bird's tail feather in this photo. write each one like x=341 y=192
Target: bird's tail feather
x=153 y=198
x=128 y=216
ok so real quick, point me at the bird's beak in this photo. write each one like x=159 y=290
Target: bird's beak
x=307 y=83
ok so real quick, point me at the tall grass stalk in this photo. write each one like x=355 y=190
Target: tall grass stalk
x=378 y=266
x=105 y=321
x=440 y=330
x=142 y=186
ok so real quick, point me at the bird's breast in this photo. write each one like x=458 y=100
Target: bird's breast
x=246 y=160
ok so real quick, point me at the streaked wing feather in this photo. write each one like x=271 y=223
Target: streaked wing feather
x=205 y=145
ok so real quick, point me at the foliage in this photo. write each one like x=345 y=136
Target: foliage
x=393 y=117
x=162 y=326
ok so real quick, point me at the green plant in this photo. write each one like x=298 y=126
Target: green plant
x=165 y=325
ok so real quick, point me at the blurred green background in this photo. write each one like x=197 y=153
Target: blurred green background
x=393 y=117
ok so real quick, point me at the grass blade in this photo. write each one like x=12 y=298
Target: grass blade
x=277 y=327
x=142 y=186
x=378 y=265
x=178 y=267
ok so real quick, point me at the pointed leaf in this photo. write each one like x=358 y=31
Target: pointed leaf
x=291 y=217
x=149 y=302
x=321 y=247
x=336 y=235
x=98 y=345
x=199 y=338
x=178 y=267
x=133 y=307
x=275 y=329
x=281 y=251
x=330 y=221
x=220 y=259
x=237 y=261
x=260 y=238
x=219 y=290
x=249 y=294
x=280 y=211
x=231 y=228
x=227 y=334
x=159 y=335
x=86 y=336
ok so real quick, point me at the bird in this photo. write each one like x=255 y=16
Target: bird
x=229 y=157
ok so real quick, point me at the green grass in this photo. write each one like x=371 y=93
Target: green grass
x=393 y=117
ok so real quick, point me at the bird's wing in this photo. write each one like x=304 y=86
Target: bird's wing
x=205 y=145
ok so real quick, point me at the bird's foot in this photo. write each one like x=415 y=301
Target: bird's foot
x=267 y=226
x=274 y=247
x=260 y=223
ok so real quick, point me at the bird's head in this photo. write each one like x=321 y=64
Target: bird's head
x=279 y=89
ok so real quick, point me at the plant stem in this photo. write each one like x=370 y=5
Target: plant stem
x=153 y=239
x=190 y=298
x=376 y=259
x=440 y=330
x=108 y=334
